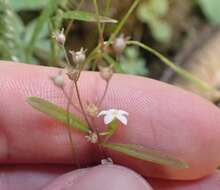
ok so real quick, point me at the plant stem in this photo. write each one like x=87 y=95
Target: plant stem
x=66 y=56
x=101 y=39
x=108 y=3
x=71 y=102
x=77 y=92
x=69 y=130
x=81 y=105
x=185 y=74
x=71 y=22
x=103 y=152
x=106 y=11
x=123 y=21
x=104 y=94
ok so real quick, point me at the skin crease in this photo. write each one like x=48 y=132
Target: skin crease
x=48 y=142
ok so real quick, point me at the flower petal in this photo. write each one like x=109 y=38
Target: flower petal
x=108 y=118
x=104 y=112
x=123 y=119
x=112 y=111
x=123 y=112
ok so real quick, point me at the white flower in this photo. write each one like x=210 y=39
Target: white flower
x=112 y=114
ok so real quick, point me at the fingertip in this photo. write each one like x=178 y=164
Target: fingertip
x=108 y=177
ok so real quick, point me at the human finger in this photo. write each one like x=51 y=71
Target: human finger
x=161 y=117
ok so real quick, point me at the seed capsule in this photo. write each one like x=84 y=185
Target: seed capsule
x=60 y=37
x=119 y=44
x=106 y=73
x=78 y=56
x=58 y=80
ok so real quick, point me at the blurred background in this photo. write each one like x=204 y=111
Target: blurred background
x=185 y=31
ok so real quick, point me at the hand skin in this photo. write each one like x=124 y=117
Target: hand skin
x=162 y=117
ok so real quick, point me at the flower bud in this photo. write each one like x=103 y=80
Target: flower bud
x=60 y=37
x=119 y=44
x=92 y=109
x=73 y=75
x=78 y=56
x=58 y=80
x=107 y=161
x=92 y=137
x=106 y=73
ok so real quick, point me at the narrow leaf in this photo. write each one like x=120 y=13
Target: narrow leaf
x=27 y=4
x=57 y=113
x=87 y=17
x=146 y=154
x=41 y=21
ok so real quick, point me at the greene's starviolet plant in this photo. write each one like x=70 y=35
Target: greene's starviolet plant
x=103 y=58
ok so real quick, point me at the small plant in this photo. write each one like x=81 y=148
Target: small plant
x=113 y=118
x=105 y=57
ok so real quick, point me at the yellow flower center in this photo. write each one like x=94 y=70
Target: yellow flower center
x=114 y=114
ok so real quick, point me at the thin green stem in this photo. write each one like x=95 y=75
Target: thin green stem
x=66 y=56
x=101 y=40
x=103 y=95
x=107 y=7
x=185 y=74
x=106 y=11
x=71 y=102
x=77 y=92
x=103 y=152
x=81 y=105
x=71 y=22
x=68 y=128
x=123 y=21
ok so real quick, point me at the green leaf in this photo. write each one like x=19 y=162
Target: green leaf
x=41 y=21
x=132 y=62
x=87 y=17
x=161 y=31
x=211 y=9
x=146 y=154
x=159 y=7
x=152 y=9
x=152 y=13
x=27 y=4
x=57 y=113
x=11 y=30
x=44 y=32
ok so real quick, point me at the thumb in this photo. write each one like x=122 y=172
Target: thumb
x=108 y=177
